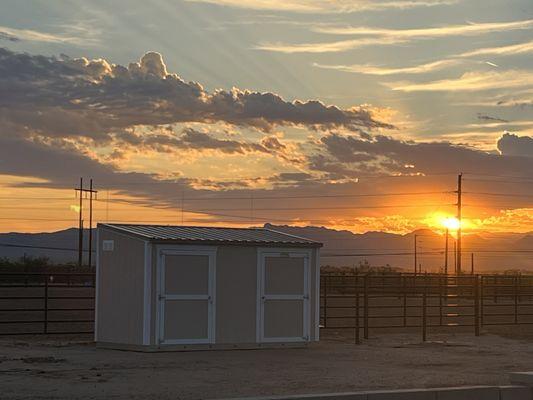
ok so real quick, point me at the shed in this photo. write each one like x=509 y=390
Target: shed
x=163 y=287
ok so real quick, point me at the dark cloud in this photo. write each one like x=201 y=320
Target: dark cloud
x=60 y=97
x=192 y=139
x=398 y=156
x=8 y=37
x=513 y=145
x=484 y=117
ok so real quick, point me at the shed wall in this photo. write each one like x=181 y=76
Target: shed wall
x=120 y=289
x=236 y=278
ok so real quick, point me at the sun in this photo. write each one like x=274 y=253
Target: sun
x=440 y=221
x=451 y=223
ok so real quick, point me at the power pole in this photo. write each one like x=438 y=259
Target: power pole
x=455 y=256
x=459 y=212
x=446 y=252
x=80 y=229
x=472 y=263
x=91 y=192
x=415 y=254
x=80 y=236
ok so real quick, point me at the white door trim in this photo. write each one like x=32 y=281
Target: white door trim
x=262 y=253
x=161 y=297
x=147 y=303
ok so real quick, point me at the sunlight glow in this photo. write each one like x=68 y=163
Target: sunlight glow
x=451 y=223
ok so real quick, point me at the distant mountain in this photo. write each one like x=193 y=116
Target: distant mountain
x=525 y=242
x=60 y=246
x=341 y=248
x=344 y=248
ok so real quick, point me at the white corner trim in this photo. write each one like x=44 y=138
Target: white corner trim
x=147 y=301
x=317 y=295
x=259 y=294
x=96 y=285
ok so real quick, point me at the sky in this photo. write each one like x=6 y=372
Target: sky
x=354 y=115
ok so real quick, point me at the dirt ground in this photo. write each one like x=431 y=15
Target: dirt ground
x=70 y=367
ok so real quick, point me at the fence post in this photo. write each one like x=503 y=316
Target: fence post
x=357 y=333
x=325 y=280
x=516 y=299
x=404 y=301
x=481 y=300
x=440 y=300
x=476 y=305
x=46 y=279
x=424 y=315
x=365 y=302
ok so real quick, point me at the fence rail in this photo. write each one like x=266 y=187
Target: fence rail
x=35 y=303
x=373 y=302
x=46 y=303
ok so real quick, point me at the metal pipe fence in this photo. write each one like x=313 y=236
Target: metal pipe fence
x=424 y=301
x=46 y=303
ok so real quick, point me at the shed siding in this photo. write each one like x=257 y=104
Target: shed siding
x=120 y=289
x=236 y=294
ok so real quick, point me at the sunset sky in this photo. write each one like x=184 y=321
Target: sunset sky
x=354 y=115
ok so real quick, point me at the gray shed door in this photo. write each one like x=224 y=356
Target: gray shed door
x=284 y=302
x=186 y=314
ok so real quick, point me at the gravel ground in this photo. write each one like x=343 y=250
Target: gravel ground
x=70 y=367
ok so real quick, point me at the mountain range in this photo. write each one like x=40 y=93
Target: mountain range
x=493 y=252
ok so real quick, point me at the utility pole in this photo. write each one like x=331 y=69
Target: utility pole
x=415 y=254
x=446 y=252
x=80 y=229
x=472 y=263
x=455 y=256
x=459 y=212
x=80 y=236
x=91 y=191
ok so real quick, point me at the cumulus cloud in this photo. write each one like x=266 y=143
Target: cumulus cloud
x=94 y=97
x=395 y=155
x=513 y=145
x=192 y=139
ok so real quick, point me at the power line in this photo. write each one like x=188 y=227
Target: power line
x=498 y=180
x=500 y=194
x=310 y=196
x=381 y=254
x=326 y=208
x=39 y=247
x=498 y=175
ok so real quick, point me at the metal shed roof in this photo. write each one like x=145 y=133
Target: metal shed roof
x=206 y=234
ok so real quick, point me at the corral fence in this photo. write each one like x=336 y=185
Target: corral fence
x=44 y=303
x=37 y=303
x=370 y=302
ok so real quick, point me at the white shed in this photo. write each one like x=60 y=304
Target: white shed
x=187 y=287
